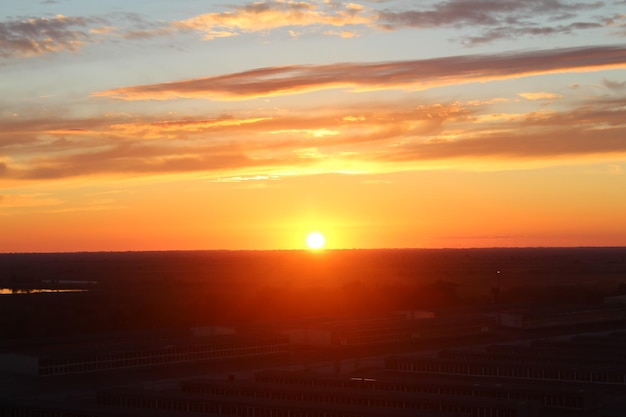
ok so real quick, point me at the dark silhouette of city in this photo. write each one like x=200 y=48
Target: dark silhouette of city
x=448 y=332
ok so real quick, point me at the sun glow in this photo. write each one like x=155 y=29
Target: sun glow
x=315 y=240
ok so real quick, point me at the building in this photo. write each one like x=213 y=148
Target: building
x=549 y=395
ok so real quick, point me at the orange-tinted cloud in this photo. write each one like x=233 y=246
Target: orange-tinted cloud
x=488 y=20
x=538 y=145
x=539 y=95
x=267 y=15
x=418 y=74
x=27 y=200
x=493 y=21
x=366 y=137
x=35 y=36
x=178 y=128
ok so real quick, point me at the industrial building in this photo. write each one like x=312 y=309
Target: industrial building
x=259 y=400
x=580 y=375
x=547 y=394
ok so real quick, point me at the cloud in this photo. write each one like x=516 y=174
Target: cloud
x=418 y=74
x=268 y=15
x=129 y=159
x=34 y=36
x=539 y=146
x=134 y=26
x=27 y=200
x=37 y=36
x=539 y=96
x=181 y=128
x=493 y=20
x=227 y=143
x=346 y=34
x=498 y=19
x=479 y=13
x=147 y=33
x=614 y=85
x=615 y=169
x=507 y=32
x=370 y=137
x=595 y=129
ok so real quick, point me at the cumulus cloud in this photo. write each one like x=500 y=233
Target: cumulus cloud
x=37 y=36
x=418 y=74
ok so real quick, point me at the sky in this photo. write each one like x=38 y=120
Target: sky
x=197 y=124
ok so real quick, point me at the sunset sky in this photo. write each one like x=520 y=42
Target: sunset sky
x=197 y=124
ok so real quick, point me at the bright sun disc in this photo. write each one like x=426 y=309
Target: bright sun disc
x=315 y=240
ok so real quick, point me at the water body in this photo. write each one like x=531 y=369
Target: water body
x=21 y=291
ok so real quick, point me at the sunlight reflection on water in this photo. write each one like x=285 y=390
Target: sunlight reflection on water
x=14 y=291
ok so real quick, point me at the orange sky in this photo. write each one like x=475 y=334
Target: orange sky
x=246 y=125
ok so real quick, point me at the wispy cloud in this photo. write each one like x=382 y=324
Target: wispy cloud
x=615 y=85
x=495 y=19
x=536 y=146
x=492 y=20
x=133 y=26
x=34 y=36
x=483 y=20
x=268 y=15
x=27 y=200
x=346 y=34
x=37 y=36
x=418 y=74
x=507 y=32
x=539 y=95
x=371 y=137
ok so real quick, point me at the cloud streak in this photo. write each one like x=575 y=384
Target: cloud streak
x=417 y=74
x=27 y=200
x=371 y=138
x=537 y=146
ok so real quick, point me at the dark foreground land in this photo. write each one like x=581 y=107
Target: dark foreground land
x=477 y=332
x=138 y=290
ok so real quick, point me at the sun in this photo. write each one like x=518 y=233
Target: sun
x=315 y=240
